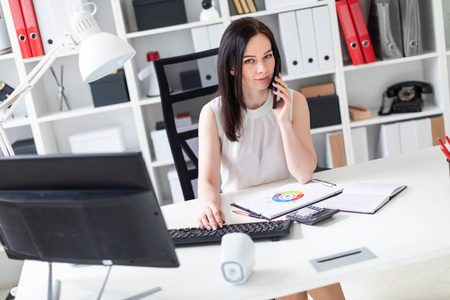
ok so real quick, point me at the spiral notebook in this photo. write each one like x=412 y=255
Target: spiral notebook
x=364 y=197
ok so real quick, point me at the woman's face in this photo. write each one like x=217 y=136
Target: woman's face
x=258 y=63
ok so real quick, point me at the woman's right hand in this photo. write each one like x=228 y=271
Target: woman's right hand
x=211 y=216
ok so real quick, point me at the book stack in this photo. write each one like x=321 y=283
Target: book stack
x=244 y=6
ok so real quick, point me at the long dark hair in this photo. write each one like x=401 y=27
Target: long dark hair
x=231 y=52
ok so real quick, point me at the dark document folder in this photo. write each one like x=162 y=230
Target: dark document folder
x=412 y=33
x=385 y=29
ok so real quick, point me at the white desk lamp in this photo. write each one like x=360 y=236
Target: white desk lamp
x=100 y=54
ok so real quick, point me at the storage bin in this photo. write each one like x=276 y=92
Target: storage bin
x=161 y=145
x=152 y=14
x=111 y=89
x=324 y=111
x=103 y=140
x=175 y=186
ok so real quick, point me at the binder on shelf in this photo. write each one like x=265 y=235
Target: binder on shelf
x=205 y=38
x=324 y=38
x=5 y=43
x=335 y=151
x=251 y=6
x=385 y=29
x=245 y=6
x=353 y=44
x=290 y=43
x=34 y=35
x=423 y=133
x=411 y=29
x=437 y=129
x=308 y=46
x=361 y=30
x=21 y=31
x=238 y=6
x=200 y=38
x=360 y=145
x=407 y=136
x=389 y=140
x=215 y=33
x=52 y=17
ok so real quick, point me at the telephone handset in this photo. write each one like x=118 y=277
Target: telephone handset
x=405 y=97
x=275 y=73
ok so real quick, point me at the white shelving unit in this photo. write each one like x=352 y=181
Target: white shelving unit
x=363 y=84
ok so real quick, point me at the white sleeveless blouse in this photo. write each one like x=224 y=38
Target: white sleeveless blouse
x=258 y=155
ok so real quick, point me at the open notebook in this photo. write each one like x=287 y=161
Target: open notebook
x=363 y=197
x=278 y=201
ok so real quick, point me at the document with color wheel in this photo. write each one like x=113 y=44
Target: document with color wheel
x=276 y=202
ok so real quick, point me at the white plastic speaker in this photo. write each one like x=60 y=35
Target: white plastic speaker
x=237 y=257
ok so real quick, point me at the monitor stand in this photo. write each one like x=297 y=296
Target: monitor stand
x=54 y=288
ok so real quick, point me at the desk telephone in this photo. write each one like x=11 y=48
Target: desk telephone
x=405 y=96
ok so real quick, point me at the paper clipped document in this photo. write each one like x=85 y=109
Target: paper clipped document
x=276 y=202
x=363 y=197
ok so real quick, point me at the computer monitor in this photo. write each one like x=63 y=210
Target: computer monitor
x=83 y=209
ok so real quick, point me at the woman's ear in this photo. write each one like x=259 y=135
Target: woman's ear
x=232 y=71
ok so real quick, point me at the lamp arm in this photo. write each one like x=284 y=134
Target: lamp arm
x=33 y=77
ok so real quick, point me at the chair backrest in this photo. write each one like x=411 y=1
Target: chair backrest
x=186 y=83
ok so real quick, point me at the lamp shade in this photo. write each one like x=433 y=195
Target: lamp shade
x=101 y=54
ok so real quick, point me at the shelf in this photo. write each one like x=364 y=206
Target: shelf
x=83 y=111
x=383 y=63
x=309 y=75
x=16 y=122
x=173 y=28
x=150 y=100
x=326 y=129
x=376 y=119
x=263 y=13
x=65 y=53
x=159 y=164
x=7 y=56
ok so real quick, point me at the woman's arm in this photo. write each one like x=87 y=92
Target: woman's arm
x=211 y=215
x=297 y=141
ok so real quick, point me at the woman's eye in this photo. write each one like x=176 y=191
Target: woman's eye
x=250 y=60
x=268 y=56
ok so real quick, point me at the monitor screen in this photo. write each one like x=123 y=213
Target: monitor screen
x=84 y=209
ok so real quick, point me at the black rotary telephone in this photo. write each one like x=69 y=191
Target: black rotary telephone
x=405 y=97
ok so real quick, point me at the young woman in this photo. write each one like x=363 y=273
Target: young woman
x=241 y=138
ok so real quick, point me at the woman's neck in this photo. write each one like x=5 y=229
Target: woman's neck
x=254 y=99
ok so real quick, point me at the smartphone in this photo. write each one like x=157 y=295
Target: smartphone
x=275 y=73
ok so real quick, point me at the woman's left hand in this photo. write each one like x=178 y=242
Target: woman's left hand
x=283 y=107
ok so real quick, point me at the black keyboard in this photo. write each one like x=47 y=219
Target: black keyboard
x=258 y=230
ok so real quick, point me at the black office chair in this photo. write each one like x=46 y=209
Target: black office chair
x=186 y=83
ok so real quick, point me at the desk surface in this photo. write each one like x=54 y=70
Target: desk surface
x=412 y=227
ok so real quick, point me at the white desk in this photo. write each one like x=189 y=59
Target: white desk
x=412 y=227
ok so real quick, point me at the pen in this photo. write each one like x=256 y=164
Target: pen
x=323 y=182
x=248 y=214
x=446 y=153
x=447 y=139
x=357 y=108
x=444 y=149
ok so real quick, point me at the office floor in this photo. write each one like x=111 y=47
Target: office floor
x=426 y=280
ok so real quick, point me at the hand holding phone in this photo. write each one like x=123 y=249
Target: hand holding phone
x=275 y=73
